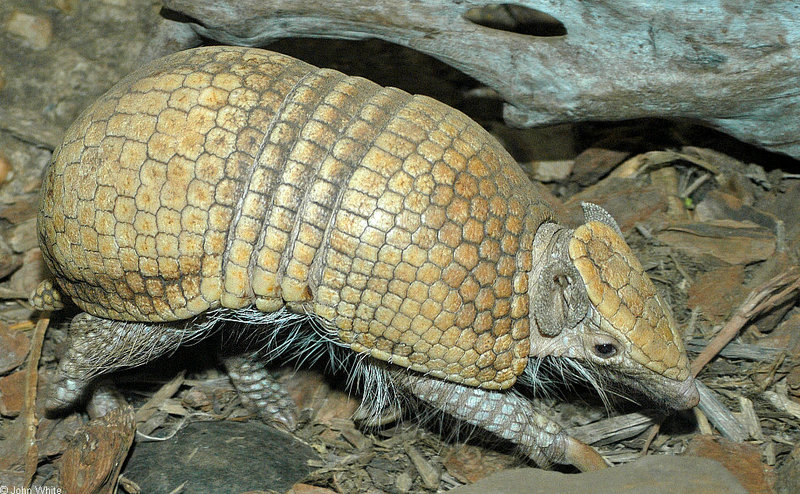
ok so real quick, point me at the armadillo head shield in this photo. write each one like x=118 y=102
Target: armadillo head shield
x=592 y=302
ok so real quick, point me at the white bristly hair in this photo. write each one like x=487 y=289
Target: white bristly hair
x=303 y=339
x=551 y=375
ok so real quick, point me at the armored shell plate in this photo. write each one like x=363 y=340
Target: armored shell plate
x=234 y=177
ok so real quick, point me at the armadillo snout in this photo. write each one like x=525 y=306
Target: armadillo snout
x=626 y=300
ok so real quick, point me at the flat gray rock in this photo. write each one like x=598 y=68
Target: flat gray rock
x=220 y=457
x=651 y=475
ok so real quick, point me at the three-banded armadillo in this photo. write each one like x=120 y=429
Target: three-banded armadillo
x=229 y=183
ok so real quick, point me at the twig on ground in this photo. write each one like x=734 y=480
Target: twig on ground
x=770 y=294
x=29 y=404
x=651 y=434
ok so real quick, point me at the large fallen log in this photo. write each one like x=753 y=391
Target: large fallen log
x=731 y=64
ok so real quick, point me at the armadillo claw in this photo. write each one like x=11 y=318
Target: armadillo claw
x=583 y=456
x=282 y=417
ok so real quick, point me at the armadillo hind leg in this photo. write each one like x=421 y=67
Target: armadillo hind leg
x=97 y=346
x=260 y=392
x=506 y=415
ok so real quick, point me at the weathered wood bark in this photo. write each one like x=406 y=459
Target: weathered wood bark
x=732 y=64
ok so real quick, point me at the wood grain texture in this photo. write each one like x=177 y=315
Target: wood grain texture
x=730 y=64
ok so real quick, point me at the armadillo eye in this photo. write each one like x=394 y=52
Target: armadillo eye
x=605 y=350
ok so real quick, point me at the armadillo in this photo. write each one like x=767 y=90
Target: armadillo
x=225 y=183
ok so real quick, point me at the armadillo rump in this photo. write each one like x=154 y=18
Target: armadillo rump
x=324 y=213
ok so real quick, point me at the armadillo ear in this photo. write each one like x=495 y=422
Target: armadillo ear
x=593 y=212
x=560 y=300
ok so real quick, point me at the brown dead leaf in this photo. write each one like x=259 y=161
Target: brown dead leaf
x=308 y=489
x=197 y=398
x=785 y=335
x=615 y=196
x=14 y=347
x=715 y=158
x=668 y=181
x=470 y=463
x=9 y=262
x=785 y=207
x=25 y=280
x=20 y=211
x=717 y=292
x=733 y=242
x=742 y=460
x=779 y=263
x=12 y=455
x=22 y=237
x=789 y=473
x=53 y=435
x=641 y=162
x=793 y=382
x=5 y=164
x=718 y=205
x=95 y=455
x=310 y=390
x=11 y=398
x=594 y=163
x=166 y=391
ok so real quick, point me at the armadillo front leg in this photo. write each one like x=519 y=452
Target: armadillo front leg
x=508 y=416
x=260 y=392
x=98 y=345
